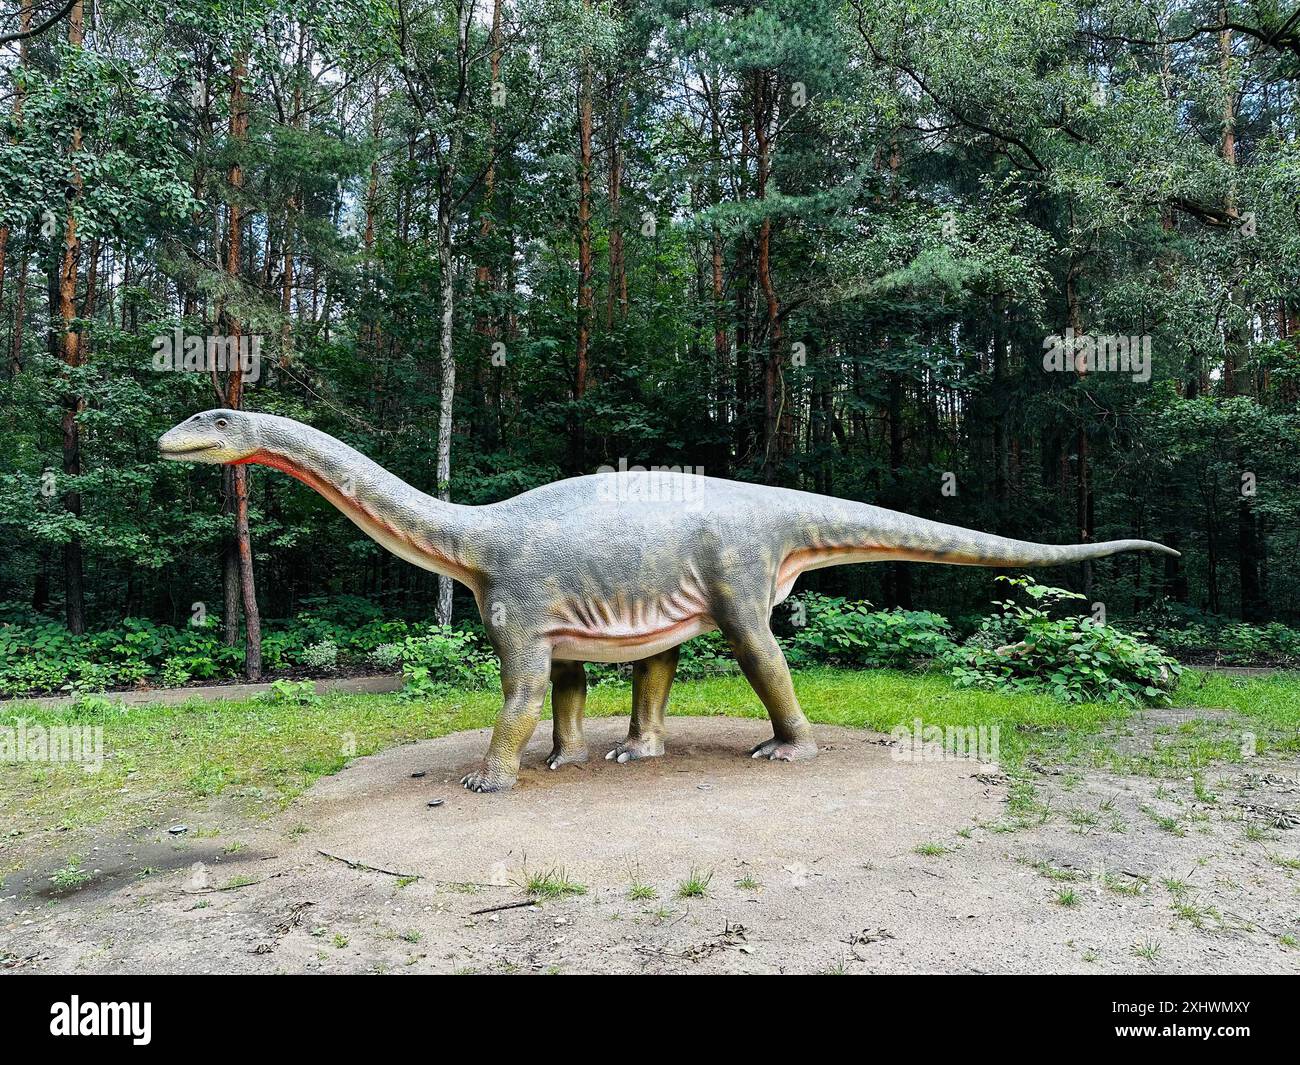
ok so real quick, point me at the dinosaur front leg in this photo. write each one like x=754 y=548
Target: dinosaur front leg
x=568 y=698
x=765 y=668
x=524 y=676
x=652 y=679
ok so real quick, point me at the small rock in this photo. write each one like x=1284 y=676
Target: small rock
x=434 y=802
x=417 y=776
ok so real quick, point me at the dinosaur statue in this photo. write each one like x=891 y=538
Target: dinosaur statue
x=613 y=567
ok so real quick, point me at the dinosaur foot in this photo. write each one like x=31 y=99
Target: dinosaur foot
x=566 y=756
x=785 y=750
x=485 y=779
x=630 y=750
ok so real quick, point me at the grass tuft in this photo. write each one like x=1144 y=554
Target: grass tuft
x=696 y=884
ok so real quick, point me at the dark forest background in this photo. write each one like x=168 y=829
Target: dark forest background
x=492 y=243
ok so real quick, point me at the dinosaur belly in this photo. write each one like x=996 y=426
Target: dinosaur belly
x=625 y=631
x=589 y=648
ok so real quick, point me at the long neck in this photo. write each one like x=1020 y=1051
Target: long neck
x=425 y=531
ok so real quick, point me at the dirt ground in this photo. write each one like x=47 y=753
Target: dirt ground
x=856 y=862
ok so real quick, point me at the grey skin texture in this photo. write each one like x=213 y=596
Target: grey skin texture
x=613 y=567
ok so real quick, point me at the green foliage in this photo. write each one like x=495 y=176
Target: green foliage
x=843 y=633
x=1077 y=660
x=294 y=692
x=45 y=657
x=705 y=656
x=1196 y=636
x=443 y=658
x=942 y=179
x=323 y=655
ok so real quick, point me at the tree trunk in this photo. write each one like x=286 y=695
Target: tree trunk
x=234 y=380
x=73 y=404
x=447 y=367
x=485 y=280
x=774 y=401
x=900 y=572
x=447 y=166
x=577 y=443
x=20 y=93
x=20 y=310
x=1083 y=479
x=617 y=294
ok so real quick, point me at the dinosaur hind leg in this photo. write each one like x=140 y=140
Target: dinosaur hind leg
x=652 y=679
x=568 y=699
x=525 y=672
x=765 y=668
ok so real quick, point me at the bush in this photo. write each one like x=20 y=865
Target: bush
x=1075 y=659
x=322 y=655
x=705 y=656
x=1218 y=639
x=442 y=658
x=844 y=633
x=293 y=692
x=386 y=656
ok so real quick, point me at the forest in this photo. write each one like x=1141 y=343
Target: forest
x=1026 y=266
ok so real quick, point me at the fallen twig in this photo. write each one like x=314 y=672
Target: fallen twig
x=503 y=906
x=370 y=868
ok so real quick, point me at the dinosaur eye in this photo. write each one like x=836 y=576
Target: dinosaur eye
x=222 y=423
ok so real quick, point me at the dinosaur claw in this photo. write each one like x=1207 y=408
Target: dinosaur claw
x=775 y=750
x=630 y=750
x=566 y=756
x=481 y=781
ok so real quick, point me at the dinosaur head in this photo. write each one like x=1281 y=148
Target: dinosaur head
x=213 y=437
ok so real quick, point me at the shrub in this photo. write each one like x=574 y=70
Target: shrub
x=293 y=692
x=386 y=656
x=840 y=632
x=1192 y=634
x=442 y=658
x=175 y=673
x=322 y=655
x=705 y=656
x=1075 y=659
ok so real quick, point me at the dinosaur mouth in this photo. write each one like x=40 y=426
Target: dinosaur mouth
x=185 y=452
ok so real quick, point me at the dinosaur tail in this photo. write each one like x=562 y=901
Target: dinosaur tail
x=877 y=535
x=921 y=540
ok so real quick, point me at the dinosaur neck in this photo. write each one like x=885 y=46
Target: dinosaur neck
x=420 y=528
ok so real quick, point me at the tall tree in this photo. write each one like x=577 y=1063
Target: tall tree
x=70 y=347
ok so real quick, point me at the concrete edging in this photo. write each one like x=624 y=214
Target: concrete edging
x=387 y=682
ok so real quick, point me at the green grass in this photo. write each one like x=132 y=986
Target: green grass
x=552 y=884
x=70 y=876
x=1148 y=950
x=696 y=884
x=1055 y=872
x=267 y=752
